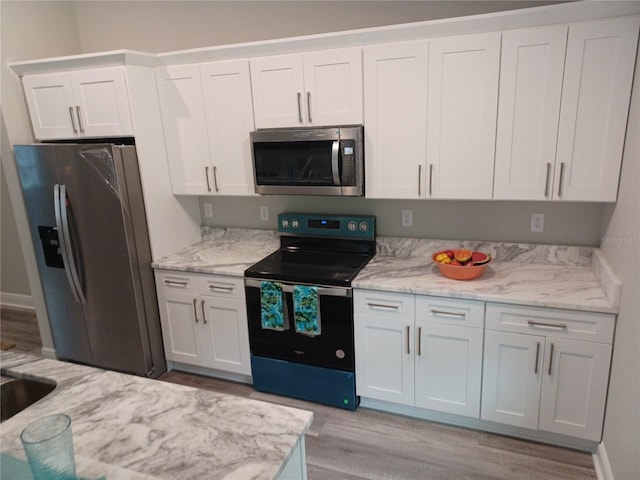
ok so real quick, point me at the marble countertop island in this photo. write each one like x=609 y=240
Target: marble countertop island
x=132 y=428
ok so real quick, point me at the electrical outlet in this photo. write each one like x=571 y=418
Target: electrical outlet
x=208 y=210
x=407 y=218
x=537 y=222
x=264 y=213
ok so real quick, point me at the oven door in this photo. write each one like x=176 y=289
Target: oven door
x=333 y=348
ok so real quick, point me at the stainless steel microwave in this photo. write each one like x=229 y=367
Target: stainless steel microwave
x=309 y=161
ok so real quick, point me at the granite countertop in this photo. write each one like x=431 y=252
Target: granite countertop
x=128 y=427
x=222 y=251
x=571 y=277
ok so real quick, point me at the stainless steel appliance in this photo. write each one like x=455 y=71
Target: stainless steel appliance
x=309 y=161
x=325 y=252
x=88 y=226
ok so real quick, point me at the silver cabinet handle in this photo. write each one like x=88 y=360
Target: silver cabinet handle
x=309 y=107
x=79 y=120
x=195 y=309
x=430 y=179
x=419 y=341
x=299 y=108
x=407 y=330
x=546 y=181
x=419 y=180
x=174 y=283
x=448 y=314
x=67 y=238
x=63 y=243
x=73 y=121
x=204 y=315
x=215 y=178
x=206 y=174
x=553 y=326
x=220 y=288
x=551 y=359
x=561 y=179
x=535 y=369
x=383 y=306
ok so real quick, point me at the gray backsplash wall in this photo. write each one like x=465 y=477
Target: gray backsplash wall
x=564 y=223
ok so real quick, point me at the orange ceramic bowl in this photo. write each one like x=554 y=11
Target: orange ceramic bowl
x=459 y=272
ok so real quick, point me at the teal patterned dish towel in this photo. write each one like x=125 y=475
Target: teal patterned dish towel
x=306 y=310
x=272 y=315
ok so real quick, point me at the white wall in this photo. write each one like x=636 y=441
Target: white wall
x=621 y=246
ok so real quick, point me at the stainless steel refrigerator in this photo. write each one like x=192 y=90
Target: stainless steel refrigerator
x=88 y=225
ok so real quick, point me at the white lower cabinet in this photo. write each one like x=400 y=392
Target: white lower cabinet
x=547 y=369
x=419 y=351
x=204 y=320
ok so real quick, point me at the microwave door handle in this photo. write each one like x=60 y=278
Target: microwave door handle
x=335 y=149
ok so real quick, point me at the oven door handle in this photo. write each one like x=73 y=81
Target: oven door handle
x=288 y=287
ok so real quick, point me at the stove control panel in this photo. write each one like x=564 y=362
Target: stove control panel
x=336 y=226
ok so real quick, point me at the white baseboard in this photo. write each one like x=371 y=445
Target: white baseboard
x=16 y=300
x=601 y=463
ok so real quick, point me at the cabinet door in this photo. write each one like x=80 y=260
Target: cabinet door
x=51 y=106
x=395 y=98
x=183 y=119
x=531 y=72
x=102 y=102
x=461 y=119
x=448 y=368
x=226 y=87
x=333 y=84
x=278 y=87
x=182 y=327
x=595 y=102
x=227 y=337
x=574 y=388
x=511 y=378
x=384 y=359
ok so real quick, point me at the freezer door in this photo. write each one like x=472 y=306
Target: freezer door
x=36 y=166
x=103 y=244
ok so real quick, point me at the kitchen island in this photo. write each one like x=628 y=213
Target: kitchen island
x=128 y=427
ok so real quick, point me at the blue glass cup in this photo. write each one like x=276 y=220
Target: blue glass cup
x=49 y=447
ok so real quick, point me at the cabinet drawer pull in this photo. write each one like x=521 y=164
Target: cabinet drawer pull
x=552 y=326
x=419 y=341
x=561 y=179
x=535 y=370
x=195 y=309
x=419 y=180
x=546 y=181
x=407 y=331
x=204 y=315
x=220 y=288
x=448 y=314
x=551 y=359
x=215 y=178
x=206 y=174
x=309 y=107
x=175 y=283
x=383 y=306
x=73 y=121
x=299 y=107
x=80 y=127
x=430 y=178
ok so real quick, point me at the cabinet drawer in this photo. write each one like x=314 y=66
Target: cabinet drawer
x=381 y=304
x=176 y=281
x=570 y=324
x=450 y=311
x=220 y=286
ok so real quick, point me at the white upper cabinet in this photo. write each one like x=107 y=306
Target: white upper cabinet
x=461 y=115
x=395 y=97
x=528 y=110
x=595 y=102
x=83 y=103
x=316 y=88
x=207 y=117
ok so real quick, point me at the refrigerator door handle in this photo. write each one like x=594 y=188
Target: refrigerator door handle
x=63 y=243
x=67 y=240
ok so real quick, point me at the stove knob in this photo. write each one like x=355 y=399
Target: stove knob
x=364 y=226
x=285 y=223
x=352 y=226
x=295 y=224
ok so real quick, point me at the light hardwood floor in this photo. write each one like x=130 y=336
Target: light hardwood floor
x=371 y=445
